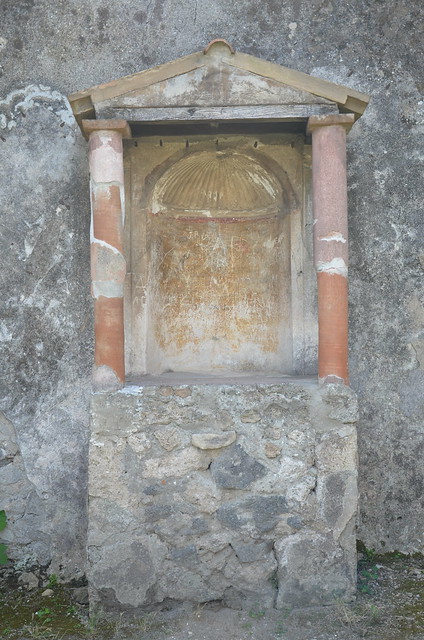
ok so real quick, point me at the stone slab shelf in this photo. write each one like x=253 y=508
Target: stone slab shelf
x=227 y=378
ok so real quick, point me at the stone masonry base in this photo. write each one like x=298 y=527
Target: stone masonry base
x=243 y=493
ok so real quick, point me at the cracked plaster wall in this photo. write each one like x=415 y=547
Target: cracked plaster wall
x=51 y=49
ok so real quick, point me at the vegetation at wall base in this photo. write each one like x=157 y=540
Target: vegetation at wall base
x=3 y=549
x=389 y=606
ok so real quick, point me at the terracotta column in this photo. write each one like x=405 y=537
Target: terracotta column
x=329 y=186
x=107 y=261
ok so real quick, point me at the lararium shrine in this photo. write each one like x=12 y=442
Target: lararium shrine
x=223 y=459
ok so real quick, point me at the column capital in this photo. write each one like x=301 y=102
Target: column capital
x=345 y=120
x=120 y=126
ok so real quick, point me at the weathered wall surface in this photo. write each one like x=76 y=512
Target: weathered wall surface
x=241 y=493
x=49 y=49
x=45 y=326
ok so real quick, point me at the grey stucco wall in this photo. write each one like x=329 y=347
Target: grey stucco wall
x=49 y=49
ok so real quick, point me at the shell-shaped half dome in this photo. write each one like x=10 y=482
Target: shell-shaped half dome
x=217 y=184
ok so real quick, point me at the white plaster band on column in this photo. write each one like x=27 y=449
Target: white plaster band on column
x=107 y=265
x=331 y=378
x=105 y=379
x=337 y=266
x=106 y=150
x=102 y=243
x=108 y=289
x=103 y=185
x=334 y=236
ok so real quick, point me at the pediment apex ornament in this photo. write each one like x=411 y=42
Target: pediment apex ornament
x=219 y=46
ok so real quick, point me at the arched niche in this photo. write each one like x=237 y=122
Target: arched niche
x=214 y=224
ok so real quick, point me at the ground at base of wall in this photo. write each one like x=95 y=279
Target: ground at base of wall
x=389 y=606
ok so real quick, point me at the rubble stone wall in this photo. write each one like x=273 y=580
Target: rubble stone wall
x=244 y=494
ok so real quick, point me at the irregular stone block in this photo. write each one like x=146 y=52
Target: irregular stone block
x=183 y=392
x=186 y=585
x=166 y=391
x=11 y=474
x=158 y=512
x=275 y=411
x=213 y=440
x=186 y=557
x=204 y=494
x=251 y=582
x=267 y=510
x=337 y=450
x=80 y=595
x=125 y=570
x=274 y=433
x=235 y=469
x=168 y=438
x=139 y=443
x=295 y=522
x=251 y=551
x=230 y=516
x=29 y=580
x=198 y=526
x=337 y=495
x=250 y=416
x=272 y=450
x=177 y=464
x=8 y=442
x=255 y=514
x=312 y=570
x=341 y=401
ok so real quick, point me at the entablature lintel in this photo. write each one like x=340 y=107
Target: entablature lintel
x=252 y=114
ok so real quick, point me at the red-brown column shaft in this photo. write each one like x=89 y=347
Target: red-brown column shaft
x=329 y=184
x=107 y=261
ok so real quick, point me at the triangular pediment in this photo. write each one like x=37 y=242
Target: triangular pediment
x=217 y=77
x=221 y=86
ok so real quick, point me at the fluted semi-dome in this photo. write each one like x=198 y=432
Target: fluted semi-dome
x=217 y=184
